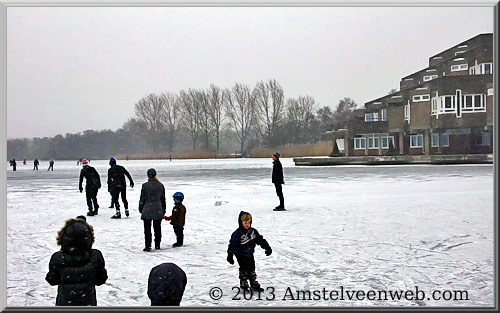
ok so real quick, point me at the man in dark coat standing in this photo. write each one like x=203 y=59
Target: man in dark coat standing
x=278 y=180
x=152 y=207
x=35 y=165
x=117 y=185
x=14 y=164
x=91 y=187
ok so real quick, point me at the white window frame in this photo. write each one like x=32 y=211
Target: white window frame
x=389 y=139
x=420 y=98
x=473 y=107
x=407 y=111
x=383 y=115
x=442 y=107
x=418 y=136
x=434 y=105
x=459 y=52
x=462 y=46
x=459 y=67
x=374 y=143
x=429 y=77
x=433 y=143
x=431 y=70
x=472 y=70
x=482 y=68
x=358 y=141
x=373 y=118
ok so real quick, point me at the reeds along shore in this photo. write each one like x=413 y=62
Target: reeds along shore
x=322 y=148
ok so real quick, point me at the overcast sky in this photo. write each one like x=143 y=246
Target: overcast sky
x=73 y=69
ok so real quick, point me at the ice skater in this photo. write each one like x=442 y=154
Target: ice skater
x=278 y=180
x=76 y=268
x=35 y=164
x=178 y=218
x=14 y=164
x=242 y=244
x=152 y=207
x=51 y=165
x=117 y=185
x=92 y=186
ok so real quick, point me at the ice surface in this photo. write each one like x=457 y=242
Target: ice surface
x=360 y=227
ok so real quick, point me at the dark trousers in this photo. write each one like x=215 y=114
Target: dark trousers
x=247 y=267
x=35 y=167
x=115 y=195
x=51 y=167
x=279 y=192
x=147 y=232
x=91 y=195
x=179 y=233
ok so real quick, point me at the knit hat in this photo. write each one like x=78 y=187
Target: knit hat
x=151 y=173
x=166 y=284
x=112 y=161
x=277 y=155
x=85 y=162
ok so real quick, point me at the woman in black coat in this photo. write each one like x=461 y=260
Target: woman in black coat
x=152 y=207
x=76 y=268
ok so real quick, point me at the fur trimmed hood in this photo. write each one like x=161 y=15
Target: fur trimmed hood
x=76 y=236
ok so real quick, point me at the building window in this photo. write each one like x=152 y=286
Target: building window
x=447 y=104
x=486 y=68
x=359 y=142
x=472 y=70
x=383 y=115
x=416 y=141
x=419 y=98
x=435 y=140
x=445 y=140
x=429 y=77
x=471 y=103
x=373 y=141
x=407 y=112
x=459 y=67
x=459 y=52
x=485 y=138
x=434 y=105
x=386 y=140
x=371 y=117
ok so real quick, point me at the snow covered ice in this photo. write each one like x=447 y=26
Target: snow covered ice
x=360 y=227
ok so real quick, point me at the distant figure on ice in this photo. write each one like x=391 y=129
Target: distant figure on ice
x=24 y=161
x=166 y=285
x=14 y=164
x=51 y=165
x=76 y=268
x=278 y=180
x=242 y=244
x=35 y=165
x=152 y=207
x=91 y=187
x=117 y=185
x=178 y=218
x=79 y=161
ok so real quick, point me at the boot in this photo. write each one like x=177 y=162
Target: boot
x=176 y=245
x=157 y=246
x=255 y=284
x=147 y=249
x=96 y=210
x=126 y=212
x=90 y=212
x=117 y=215
x=244 y=284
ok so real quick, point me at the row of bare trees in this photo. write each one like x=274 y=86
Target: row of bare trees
x=260 y=114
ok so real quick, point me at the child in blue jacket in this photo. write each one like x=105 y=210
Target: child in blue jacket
x=242 y=244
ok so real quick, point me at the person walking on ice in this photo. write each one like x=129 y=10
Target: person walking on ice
x=117 y=185
x=91 y=187
x=35 y=164
x=278 y=180
x=178 y=218
x=152 y=207
x=51 y=165
x=242 y=244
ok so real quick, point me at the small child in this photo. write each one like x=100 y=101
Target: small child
x=178 y=218
x=76 y=268
x=166 y=284
x=242 y=244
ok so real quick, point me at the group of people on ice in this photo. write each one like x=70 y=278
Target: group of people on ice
x=13 y=163
x=167 y=281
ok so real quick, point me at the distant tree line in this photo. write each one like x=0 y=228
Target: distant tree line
x=239 y=118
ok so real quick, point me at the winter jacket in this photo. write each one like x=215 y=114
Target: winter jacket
x=277 y=176
x=92 y=177
x=152 y=201
x=36 y=162
x=76 y=268
x=178 y=215
x=166 y=284
x=116 y=178
x=243 y=240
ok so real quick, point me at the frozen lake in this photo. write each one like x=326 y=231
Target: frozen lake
x=363 y=228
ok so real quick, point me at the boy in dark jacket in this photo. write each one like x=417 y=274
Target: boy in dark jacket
x=76 y=268
x=166 y=284
x=242 y=244
x=91 y=187
x=178 y=218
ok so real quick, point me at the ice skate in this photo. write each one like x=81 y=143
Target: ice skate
x=117 y=215
x=126 y=212
x=157 y=247
x=147 y=249
x=256 y=286
x=244 y=284
x=279 y=208
x=90 y=213
x=176 y=245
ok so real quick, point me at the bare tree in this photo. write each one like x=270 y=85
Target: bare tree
x=344 y=112
x=190 y=109
x=269 y=100
x=206 y=126
x=150 y=110
x=241 y=112
x=300 y=114
x=170 y=116
x=216 y=113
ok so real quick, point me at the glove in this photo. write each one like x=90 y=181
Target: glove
x=81 y=190
x=269 y=251
x=167 y=218
x=230 y=258
x=132 y=184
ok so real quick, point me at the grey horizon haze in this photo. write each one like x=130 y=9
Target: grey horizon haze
x=70 y=69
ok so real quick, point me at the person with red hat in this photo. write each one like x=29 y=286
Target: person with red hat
x=92 y=186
